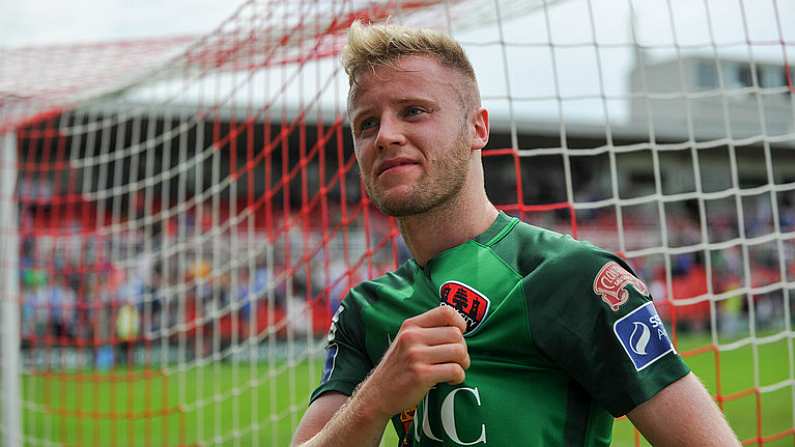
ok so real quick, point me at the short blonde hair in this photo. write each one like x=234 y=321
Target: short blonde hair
x=372 y=46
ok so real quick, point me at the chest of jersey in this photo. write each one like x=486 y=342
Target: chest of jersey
x=474 y=281
x=508 y=378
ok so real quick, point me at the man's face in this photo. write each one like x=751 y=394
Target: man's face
x=411 y=135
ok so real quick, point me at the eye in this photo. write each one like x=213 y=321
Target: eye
x=367 y=124
x=411 y=111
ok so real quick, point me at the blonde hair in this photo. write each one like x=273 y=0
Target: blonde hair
x=373 y=46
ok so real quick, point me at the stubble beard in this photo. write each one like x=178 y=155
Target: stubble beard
x=440 y=186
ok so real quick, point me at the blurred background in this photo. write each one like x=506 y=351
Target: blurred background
x=181 y=214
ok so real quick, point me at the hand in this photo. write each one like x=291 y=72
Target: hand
x=428 y=349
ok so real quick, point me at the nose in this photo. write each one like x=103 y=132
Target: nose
x=390 y=133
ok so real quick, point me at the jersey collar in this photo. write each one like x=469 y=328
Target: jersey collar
x=502 y=225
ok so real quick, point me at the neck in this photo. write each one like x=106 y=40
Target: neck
x=446 y=226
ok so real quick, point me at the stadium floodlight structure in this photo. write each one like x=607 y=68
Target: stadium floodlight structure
x=180 y=217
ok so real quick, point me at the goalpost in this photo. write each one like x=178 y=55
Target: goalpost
x=179 y=218
x=9 y=252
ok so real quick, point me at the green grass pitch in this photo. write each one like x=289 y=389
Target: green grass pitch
x=203 y=405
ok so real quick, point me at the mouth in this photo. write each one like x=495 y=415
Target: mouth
x=392 y=164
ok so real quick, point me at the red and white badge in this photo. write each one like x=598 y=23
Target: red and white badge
x=472 y=305
x=611 y=282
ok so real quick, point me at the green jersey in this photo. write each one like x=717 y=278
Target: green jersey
x=561 y=337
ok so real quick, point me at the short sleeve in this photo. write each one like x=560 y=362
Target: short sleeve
x=592 y=316
x=347 y=363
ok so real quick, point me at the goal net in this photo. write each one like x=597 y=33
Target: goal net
x=180 y=218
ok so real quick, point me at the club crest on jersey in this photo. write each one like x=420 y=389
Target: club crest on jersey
x=472 y=305
x=406 y=418
x=611 y=283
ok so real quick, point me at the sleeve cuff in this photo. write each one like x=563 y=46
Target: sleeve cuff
x=340 y=386
x=634 y=395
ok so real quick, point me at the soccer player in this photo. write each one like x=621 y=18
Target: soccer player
x=496 y=332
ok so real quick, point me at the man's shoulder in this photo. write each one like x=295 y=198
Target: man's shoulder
x=394 y=283
x=529 y=248
x=571 y=268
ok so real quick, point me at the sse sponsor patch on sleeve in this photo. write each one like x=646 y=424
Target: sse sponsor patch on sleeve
x=643 y=336
x=331 y=359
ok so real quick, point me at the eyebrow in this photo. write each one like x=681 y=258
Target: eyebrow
x=416 y=99
x=353 y=115
x=355 y=112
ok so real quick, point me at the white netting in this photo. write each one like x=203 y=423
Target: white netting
x=189 y=213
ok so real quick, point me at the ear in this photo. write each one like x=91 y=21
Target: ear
x=480 y=125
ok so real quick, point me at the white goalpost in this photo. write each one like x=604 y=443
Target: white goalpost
x=9 y=253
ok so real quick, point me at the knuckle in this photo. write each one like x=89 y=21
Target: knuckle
x=453 y=317
x=457 y=374
x=461 y=351
x=412 y=355
x=462 y=358
x=449 y=312
x=409 y=336
x=408 y=323
x=459 y=336
x=416 y=370
x=454 y=334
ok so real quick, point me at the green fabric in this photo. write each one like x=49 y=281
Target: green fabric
x=547 y=368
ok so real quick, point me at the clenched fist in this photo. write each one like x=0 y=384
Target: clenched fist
x=428 y=349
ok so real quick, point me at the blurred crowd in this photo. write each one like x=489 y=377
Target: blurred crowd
x=126 y=291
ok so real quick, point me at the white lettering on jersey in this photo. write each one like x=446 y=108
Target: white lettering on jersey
x=426 y=426
x=332 y=331
x=448 y=419
x=656 y=322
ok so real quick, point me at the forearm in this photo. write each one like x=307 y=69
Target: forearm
x=683 y=415
x=354 y=424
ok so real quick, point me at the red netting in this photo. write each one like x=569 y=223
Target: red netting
x=190 y=213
